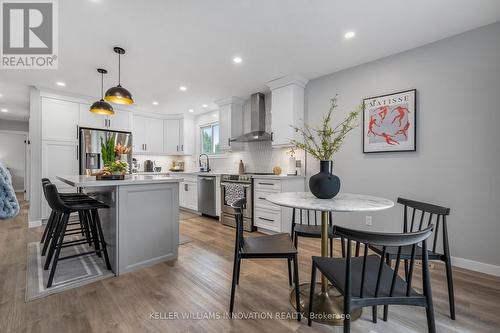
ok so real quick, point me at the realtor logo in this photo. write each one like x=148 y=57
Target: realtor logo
x=29 y=35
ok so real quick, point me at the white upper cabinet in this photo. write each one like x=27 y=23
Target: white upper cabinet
x=59 y=120
x=230 y=120
x=147 y=135
x=287 y=108
x=178 y=137
x=187 y=135
x=120 y=121
x=171 y=136
x=89 y=119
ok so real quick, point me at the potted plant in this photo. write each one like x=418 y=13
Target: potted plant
x=322 y=143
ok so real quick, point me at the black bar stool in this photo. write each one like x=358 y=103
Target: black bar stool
x=50 y=227
x=62 y=209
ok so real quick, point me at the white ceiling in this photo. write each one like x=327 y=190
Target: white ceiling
x=192 y=43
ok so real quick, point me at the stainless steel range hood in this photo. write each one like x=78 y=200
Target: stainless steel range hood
x=257 y=121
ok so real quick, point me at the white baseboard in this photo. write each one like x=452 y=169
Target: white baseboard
x=476 y=266
x=34 y=224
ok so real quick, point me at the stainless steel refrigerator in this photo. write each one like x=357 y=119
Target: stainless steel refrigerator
x=90 y=148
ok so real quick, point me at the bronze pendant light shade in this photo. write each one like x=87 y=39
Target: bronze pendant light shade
x=118 y=94
x=102 y=107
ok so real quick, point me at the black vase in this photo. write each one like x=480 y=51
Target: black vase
x=324 y=185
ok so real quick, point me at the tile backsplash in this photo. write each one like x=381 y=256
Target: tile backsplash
x=257 y=157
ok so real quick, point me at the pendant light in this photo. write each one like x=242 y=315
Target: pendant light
x=102 y=107
x=118 y=94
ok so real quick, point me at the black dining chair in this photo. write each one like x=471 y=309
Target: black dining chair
x=422 y=215
x=261 y=247
x=368 y=280
x=305 y=226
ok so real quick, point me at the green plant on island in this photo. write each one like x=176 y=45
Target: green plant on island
x=108 y=151
x=323 y=142
x=118 y=167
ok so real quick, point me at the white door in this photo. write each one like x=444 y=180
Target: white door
x=60 y=120
x=13 y=156
x=120 y=121
x=89 y=119
x=171 y=134
x=139 y=134
x=154 y=135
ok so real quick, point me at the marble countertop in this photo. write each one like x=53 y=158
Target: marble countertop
x=90 y=181
x=343 y=202
x=285 y=177
x=217 y=174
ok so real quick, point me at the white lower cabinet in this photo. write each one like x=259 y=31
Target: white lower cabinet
x=270 y=217
x=188 y=193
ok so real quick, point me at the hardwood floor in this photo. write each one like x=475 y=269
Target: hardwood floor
x=199 y=282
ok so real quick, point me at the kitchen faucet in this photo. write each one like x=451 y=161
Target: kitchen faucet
x=207 y=163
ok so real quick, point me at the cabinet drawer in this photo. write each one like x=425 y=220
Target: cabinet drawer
x=268 y=219
x=267 y=185
x=261 y=202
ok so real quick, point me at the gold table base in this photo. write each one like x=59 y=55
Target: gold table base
x=328 y=307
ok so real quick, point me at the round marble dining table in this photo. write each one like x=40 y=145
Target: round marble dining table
x=328 y=302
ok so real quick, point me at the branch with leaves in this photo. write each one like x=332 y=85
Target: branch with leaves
x=323 y=142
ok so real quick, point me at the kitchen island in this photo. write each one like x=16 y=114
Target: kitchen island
x=141 y=227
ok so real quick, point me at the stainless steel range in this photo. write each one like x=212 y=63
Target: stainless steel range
x=233 y=186
x=236 y=185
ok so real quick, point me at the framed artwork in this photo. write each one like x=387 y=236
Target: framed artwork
x=389 y=122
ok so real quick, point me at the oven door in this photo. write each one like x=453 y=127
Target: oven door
x=247 y=212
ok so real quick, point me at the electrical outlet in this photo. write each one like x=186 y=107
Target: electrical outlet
x=368 y=220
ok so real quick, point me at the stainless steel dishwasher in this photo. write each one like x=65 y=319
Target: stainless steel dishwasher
x=207 y=195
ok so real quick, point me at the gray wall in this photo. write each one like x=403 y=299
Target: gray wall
x=457 y=162
x=13 y=125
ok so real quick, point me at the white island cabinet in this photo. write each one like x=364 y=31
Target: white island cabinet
x=141 y=227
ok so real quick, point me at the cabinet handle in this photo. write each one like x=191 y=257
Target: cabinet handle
x=229 y=142
x=271 y=184
x=272 y=136
x=261 y=198
x=77 y=153
x=109 y=123
x=177 y=147
x=182 y=147
x=263 y=218
x=146 y=146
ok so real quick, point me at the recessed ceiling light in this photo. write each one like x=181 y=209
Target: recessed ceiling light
x=183 y=88
x=237 y=60
x=1 y=95
x=155 y=103
x=4 y=110
x=349 y=34
x=61 y=84
x=205 y=105
x=191 y=110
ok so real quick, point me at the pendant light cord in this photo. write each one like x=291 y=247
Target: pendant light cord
x=119 y=70
x=102 y=86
